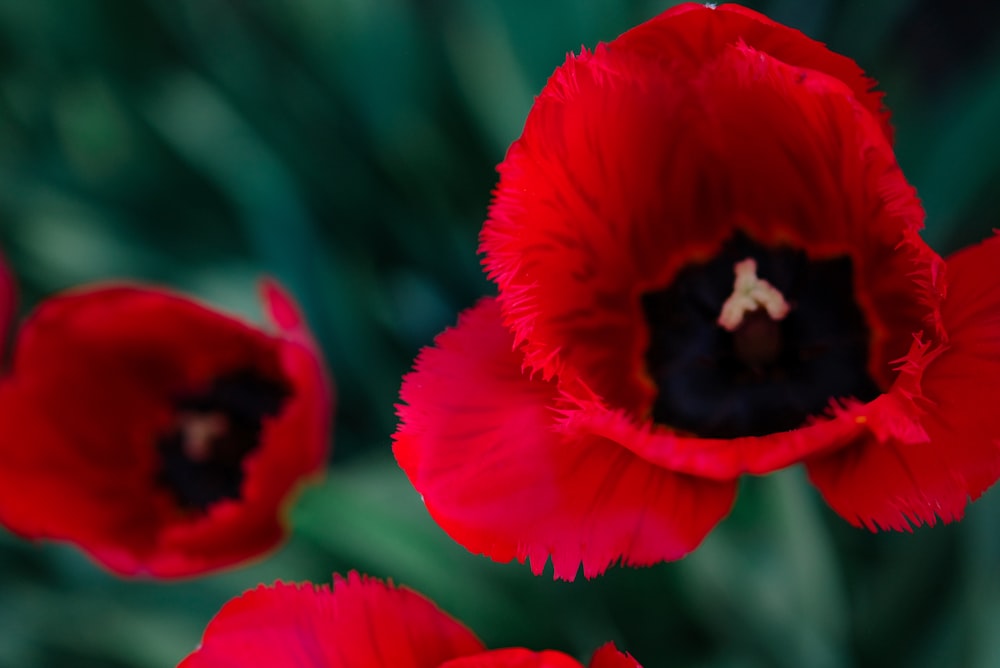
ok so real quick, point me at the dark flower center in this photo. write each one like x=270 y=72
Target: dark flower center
x=201 y=458
x=796 y=341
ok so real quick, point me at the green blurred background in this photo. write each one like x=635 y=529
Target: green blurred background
x=348 y=148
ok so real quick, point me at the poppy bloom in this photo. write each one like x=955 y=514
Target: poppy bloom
x=709 y=265
x=360 y=622
x=158 y=435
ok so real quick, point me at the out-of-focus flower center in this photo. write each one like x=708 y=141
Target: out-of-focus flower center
x=755 y=341
x=201 y=457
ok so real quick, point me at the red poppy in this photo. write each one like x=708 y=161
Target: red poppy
x=708 y=265
x=360 y=622
x=158 y=435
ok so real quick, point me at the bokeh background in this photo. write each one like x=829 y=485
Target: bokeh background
x=348 y=148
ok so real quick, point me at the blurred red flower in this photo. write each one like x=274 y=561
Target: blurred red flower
x=360 y=622
x=709 y=265
x=158 y=435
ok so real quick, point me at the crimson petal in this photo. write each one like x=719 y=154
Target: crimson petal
x=514 y=657
x=479 y=441
x=692 y=33
x=608 y=656
x=361 y=622
x=883 y=483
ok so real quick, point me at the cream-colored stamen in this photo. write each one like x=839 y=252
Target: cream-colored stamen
x=199 y=431
x=749 y=294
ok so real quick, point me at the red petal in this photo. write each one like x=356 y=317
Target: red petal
x=888 y=484
x=478 y=440
x=514 y=658
x=691 y=34
x=95 y=376
x=603 y=199
x=362 y=622
x=711 y=458
x=608 y=656
x=282 y=309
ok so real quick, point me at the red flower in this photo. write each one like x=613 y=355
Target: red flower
x=361 y=622
x=160 y=436
x=708 y=265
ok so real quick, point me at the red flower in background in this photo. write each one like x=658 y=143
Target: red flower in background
x=708 y=265
x=158 y=435
x=360 y=622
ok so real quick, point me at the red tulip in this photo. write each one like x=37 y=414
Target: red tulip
x=160 y=436
x=359 y=622
x=709 y=265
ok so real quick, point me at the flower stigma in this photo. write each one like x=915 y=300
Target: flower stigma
x=199 y=431
x=751 y=314
x=733 y=354
x=749 y=294
x=214 y=429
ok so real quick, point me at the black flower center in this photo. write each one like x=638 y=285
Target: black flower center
x=201 y=458
x=764 y=371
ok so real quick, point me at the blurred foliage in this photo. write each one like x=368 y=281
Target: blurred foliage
x=348 y=147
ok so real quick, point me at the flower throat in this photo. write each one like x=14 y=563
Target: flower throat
x=202 y=456
x=755 y=341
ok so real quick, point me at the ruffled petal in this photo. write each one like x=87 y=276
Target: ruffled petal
x=727 y=459
x=602 y=199
x=478 y=439
x=514 y=657
x=889 y=484
x=361 y=622
x=566 y=217
x=694 y=33
x=608 y=656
